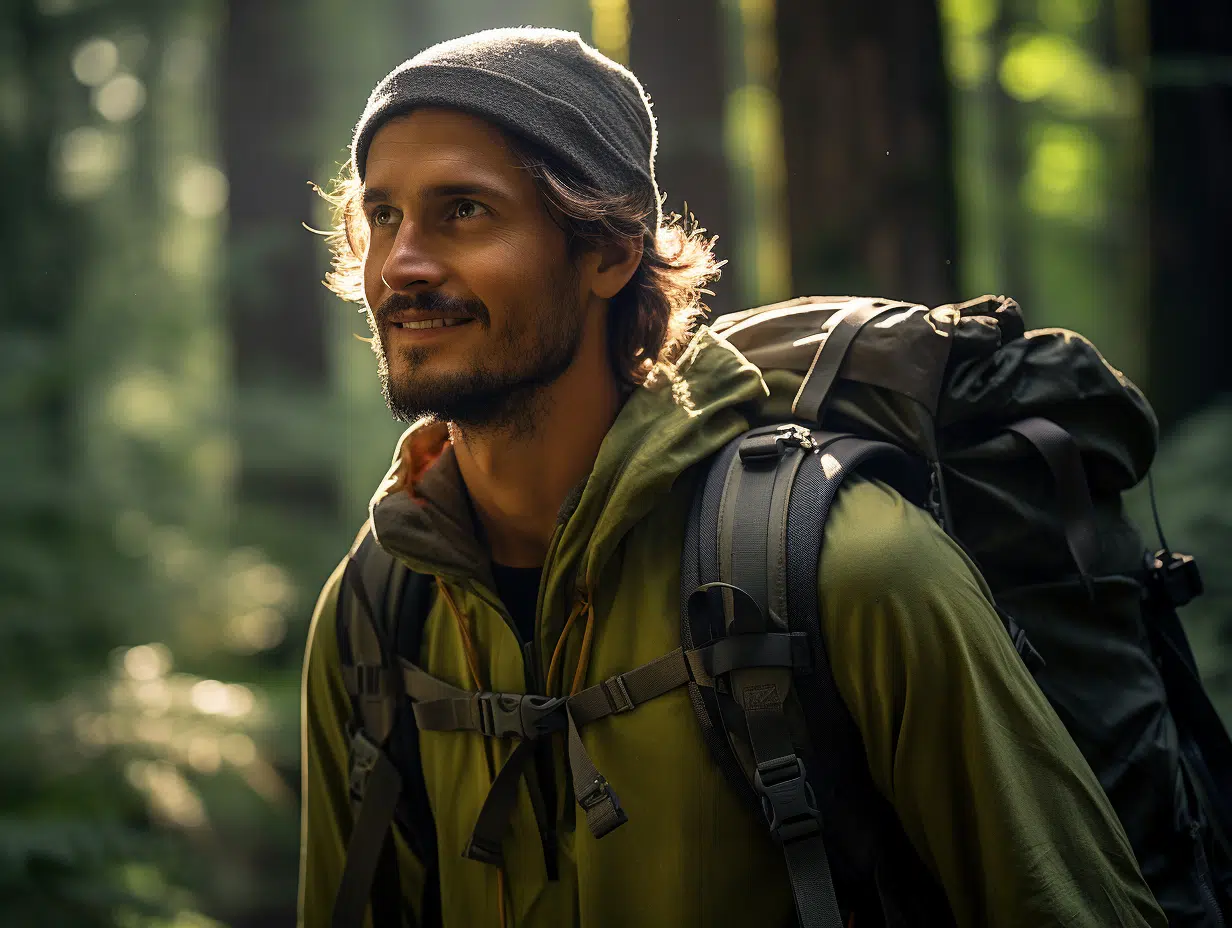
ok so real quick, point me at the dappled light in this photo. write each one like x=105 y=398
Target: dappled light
x=194 y=424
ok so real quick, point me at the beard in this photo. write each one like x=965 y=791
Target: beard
x=501 y=388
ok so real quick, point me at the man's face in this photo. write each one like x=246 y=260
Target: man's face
x=458 y=232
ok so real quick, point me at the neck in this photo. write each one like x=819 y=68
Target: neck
x=518 y=481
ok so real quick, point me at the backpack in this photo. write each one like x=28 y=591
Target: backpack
x=1019 y=444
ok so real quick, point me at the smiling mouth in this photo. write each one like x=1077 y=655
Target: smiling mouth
x=431 y=324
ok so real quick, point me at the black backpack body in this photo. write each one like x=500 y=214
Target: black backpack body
x=1019 y=445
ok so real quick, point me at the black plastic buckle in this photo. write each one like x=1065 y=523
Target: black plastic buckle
x=1174 y=577
x=515 y=715
x=770 y=446
x=365 y=755
x=787 y=799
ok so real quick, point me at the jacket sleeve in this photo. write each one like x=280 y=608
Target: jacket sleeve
x=326 y=817
x=991 y=790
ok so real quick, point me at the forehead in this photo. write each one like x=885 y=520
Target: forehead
x=428 y=141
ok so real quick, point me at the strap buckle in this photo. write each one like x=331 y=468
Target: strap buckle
x=598 y=793
x=770 y=446
x=1173 y=577
x=787 y=799
x=517 y=715
x=365 y=755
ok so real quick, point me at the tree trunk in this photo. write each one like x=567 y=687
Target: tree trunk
x=676 y=50
x=276 y=315
x=869 y=177
x=1190 y=103
x=267 y=101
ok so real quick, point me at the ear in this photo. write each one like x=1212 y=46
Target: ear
x=608 y=268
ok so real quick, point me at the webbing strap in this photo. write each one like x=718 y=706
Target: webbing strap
x=441 y=706
x=811 y=883
x=488 y=834
x=382 y=786
x=1060 y=452
x=624 y=691
x=815 y=389
x=591 y=789
x=369 y=681
x=753 y=532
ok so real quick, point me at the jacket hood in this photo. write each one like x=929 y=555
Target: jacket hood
x=682 y=414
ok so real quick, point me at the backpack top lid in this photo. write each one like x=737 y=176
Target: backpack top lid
x=945 y=383
x=965 y=366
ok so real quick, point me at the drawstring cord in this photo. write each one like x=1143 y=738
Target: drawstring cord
x=583 y=665
x=468 y=643
x=472 y=664
x=558 y=652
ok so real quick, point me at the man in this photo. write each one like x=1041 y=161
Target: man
x=533 y=310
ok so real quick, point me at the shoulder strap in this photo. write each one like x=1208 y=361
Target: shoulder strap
x=749 y=565
x=1206 y=749
x=382 y=607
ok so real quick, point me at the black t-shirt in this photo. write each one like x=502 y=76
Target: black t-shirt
x=518 y=588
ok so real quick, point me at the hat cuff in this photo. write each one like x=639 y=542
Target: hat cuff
x=511 y=105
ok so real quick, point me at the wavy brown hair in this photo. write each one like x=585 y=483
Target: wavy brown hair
x=649 y=321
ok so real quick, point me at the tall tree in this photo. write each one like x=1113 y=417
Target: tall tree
x=1190 y=104
x=676 y=49
x=277 y=319
x=867 y=144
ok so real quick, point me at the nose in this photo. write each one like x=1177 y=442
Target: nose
x=411 y=264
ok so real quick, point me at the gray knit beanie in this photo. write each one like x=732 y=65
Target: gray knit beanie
x=545 y=85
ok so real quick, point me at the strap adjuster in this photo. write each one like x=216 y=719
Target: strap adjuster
x=599 y=793
x=365 y=755
x=617 y=693
x=370 y=680
x=787 y=799
x=516 y=715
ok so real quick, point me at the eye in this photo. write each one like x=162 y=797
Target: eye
x=382 y=216
x=467 y=209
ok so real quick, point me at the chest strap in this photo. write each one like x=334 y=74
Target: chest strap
x=440 y=706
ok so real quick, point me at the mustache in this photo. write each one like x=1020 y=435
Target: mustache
x=431 y=301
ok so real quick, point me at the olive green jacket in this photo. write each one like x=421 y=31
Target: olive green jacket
x=990 y=789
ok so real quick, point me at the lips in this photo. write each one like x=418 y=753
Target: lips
x=419 y=325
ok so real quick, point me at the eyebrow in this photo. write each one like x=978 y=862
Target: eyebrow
x=374 y=195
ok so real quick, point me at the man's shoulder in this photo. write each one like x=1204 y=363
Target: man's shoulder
x=323 y=628
x=877 y=543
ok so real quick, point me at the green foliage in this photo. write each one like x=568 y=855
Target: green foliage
x=1050 y=157
x=133 y=792
x=1192 y=477
x=150 y=632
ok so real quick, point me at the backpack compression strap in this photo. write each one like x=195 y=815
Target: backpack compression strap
x=374 y=687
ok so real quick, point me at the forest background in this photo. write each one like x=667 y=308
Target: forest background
x=191 y=429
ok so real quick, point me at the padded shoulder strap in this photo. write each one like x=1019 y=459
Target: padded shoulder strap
x=381 y=610
x=750 y=561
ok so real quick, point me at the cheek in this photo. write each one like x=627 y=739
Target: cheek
x=374 y=287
